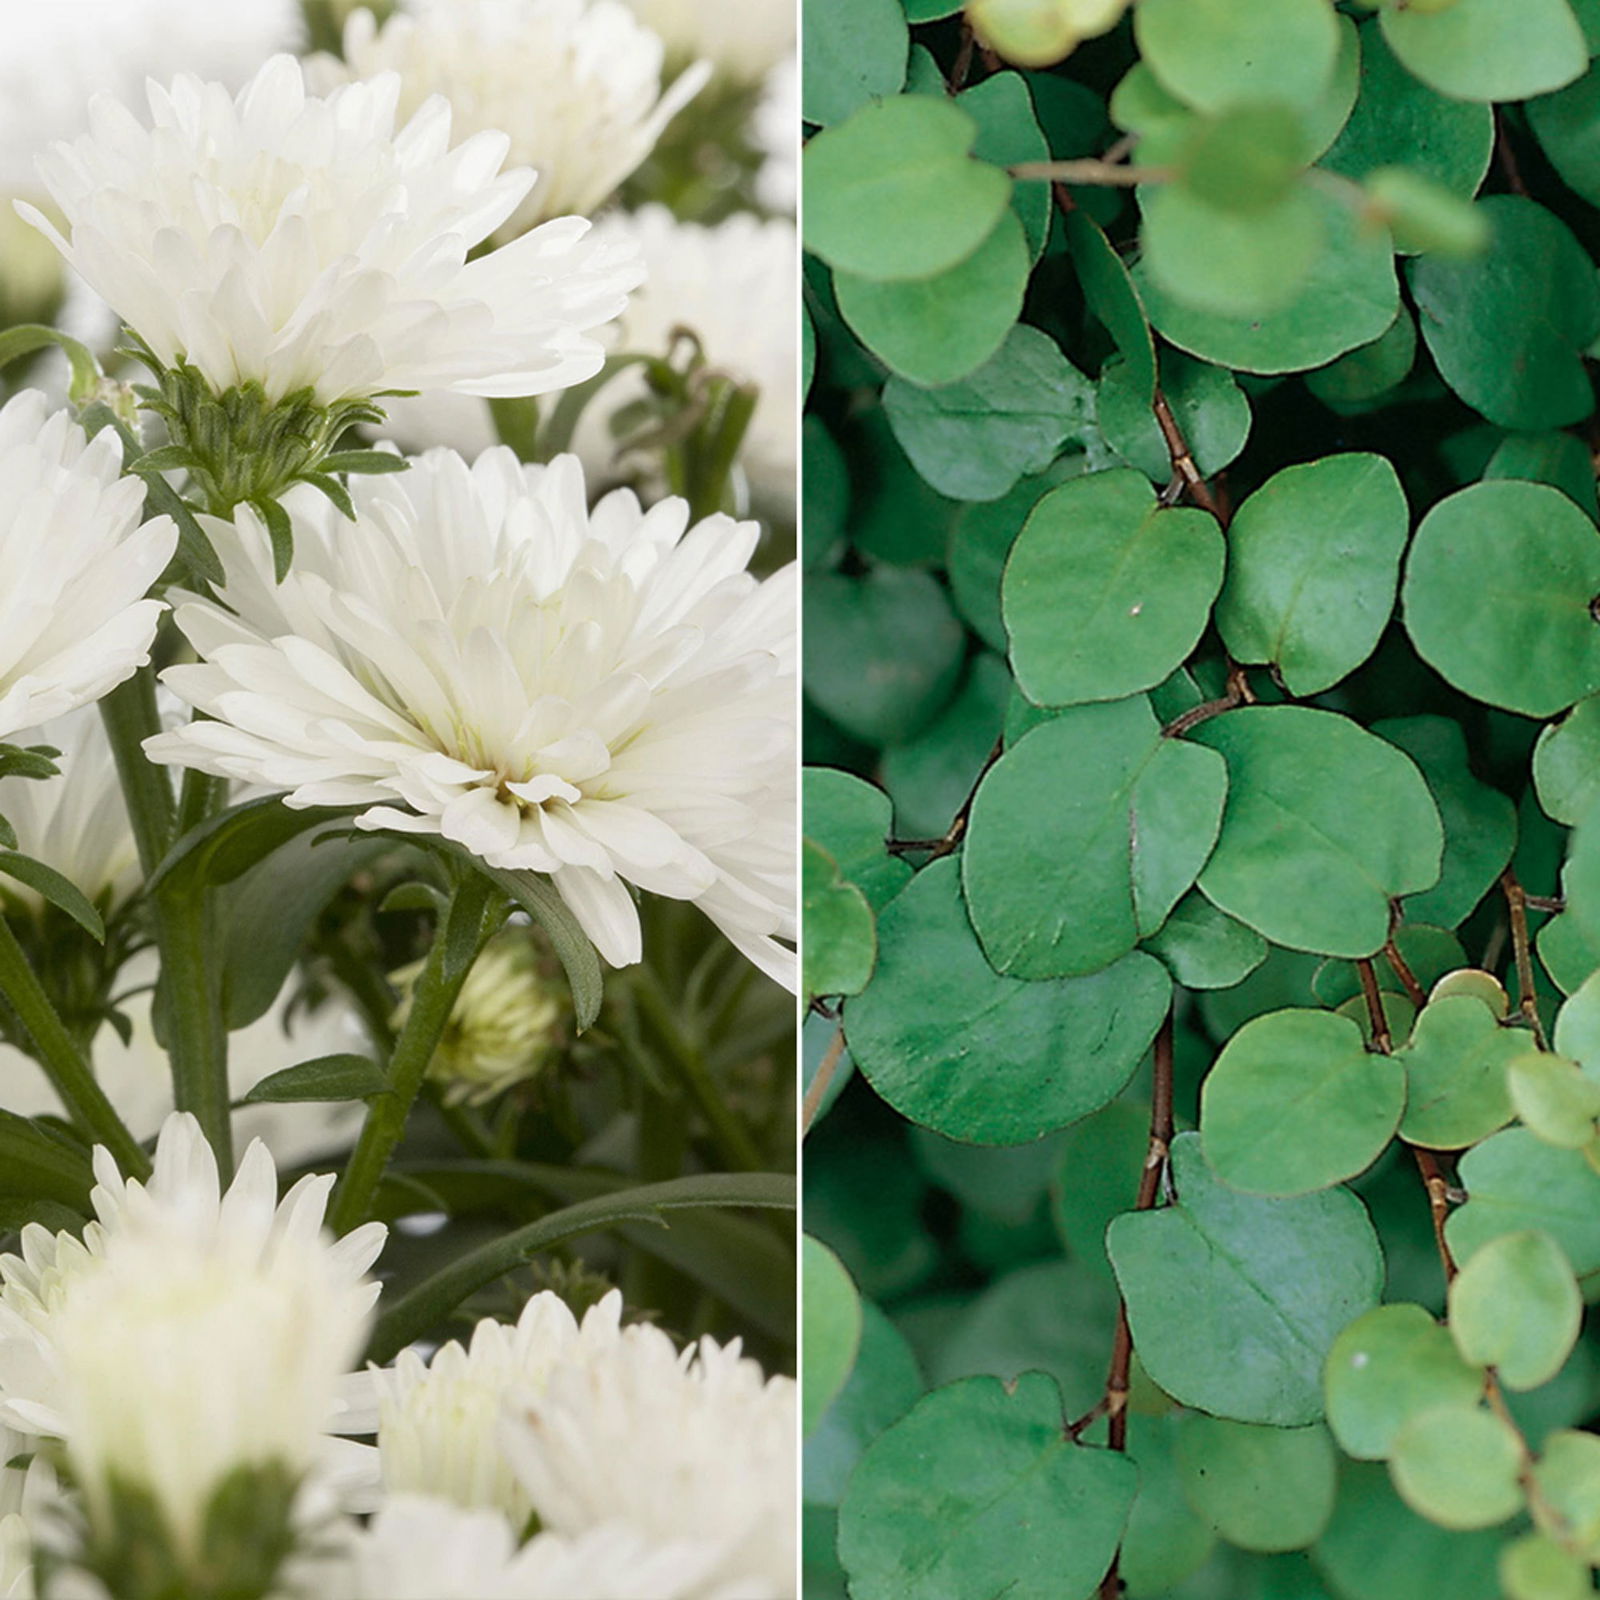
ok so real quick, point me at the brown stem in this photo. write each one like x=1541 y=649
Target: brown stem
x=1522 y=949
x=819 y=1084
x=1114 y=1404
x=1507 y=157
x=1553 y=903
x=1438 y=1187
x=1379 y=1023
x=939 y=848
x=1195 y=715
x=1183 y=462
x=1417 y=995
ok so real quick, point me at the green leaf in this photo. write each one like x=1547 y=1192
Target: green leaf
x=1559 y=459
x=1209 y=407
x=1106 y=593
x=1455 y=1064
x=1497 y=593
x=1166 y=1541
x=895 y=517
x=937 y=330
x=227 y=845
x=1424 y=216
x=365 y=463
x=1296 y=1102
x=335 y=1077
x=1554 y=1099
x=1458 y=1466
x=422 y=1308
x=61 y=892
x=855 y=53
x=1577 y=1030
x=976 y=1492
x=1216 y=53
x=1363 y=375
x=1514 y=1182
x=1480 y=823
x=1488 y=49
x=1568 y=1476
x=1508 y=328
x=1567 y=126
x=1109 y=289
x=1265 y=1489
x=1204 y=948
x=852 y=820
x=1445 y=139
x=882 y=652
x=882 y=1386
x=1566 y=764
x=1536 y=1568
x=840 y=944
x=1008 y=135
x=27 y=338
x=1313 y=566
x=1296 y=859
x=980 y=541
x=892 y=192
x=937 y=1023
x=831 y=1332
x=1349 y=297
x=280 y=530
x=972 y=440
x=1515 y=1306
x=1219 y=1272
x=1099 y=1166
x=1387 y=1367
x=1084 y=835
x=37 y=1164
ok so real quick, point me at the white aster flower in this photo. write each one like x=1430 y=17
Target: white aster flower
x=28 y=1497
x=74 y=620
x=696 y=1445
x=303 y=243
x=77 y=822
x=137 y=1075
x=420 y=1548
x=575 y=84
x=732 y=285
x=605 y=696
x=507 y=1024
x=745 y=38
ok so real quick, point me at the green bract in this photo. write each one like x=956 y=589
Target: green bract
x=1204 y=703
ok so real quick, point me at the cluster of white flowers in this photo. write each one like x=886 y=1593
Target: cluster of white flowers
x=472 y=651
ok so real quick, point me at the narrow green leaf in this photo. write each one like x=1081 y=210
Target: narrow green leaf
x=336 y=1077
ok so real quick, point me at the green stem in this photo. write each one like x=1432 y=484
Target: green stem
x=63 y=1063
x=455 y=946
x=196 y=1036
x=732 y=1139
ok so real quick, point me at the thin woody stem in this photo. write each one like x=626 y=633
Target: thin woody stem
x=1090 y=171
x=1377 y=1020
x=820 y=1083
x=1522 y=950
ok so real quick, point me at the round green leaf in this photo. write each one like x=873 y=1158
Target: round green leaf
x=824 y=491
x=1215 y=53
x=1296 y=1102
x=1515 y=1182
x=1387 y=1367
x=851 y=820
x=1220 y=1273
x=882 y=652
x=1488 y=49
x=831 y=1331
x=1373 y=370
x=1577 y=1030
x=1204 y=948
x=1208 y=405
x=1536 y=1568
x=972 y=440
x=855 y=52
x=1497 y=593
x=1396 y=114
x=1516 y=1307
x=936 y=330
x=1455 y=1064
x=839 y=941
x=977 y=1491
x=894 y=516
x=1313 y=565
x=1509 y=326
x=1324 y=824
x=1105 y=593
x=1109 y=289
x=883 y=1385
x=1458 y=1466
x=1009 y=134
x=1480 y=823
x=1349 y=297
x=1568 y=1476
x=1567 y=125
x=936 y=1025
x=1083 y=836
x=1566 y=764
x=1166 y=1540
x=1263 y=1489
x=892 y=192
x=980 y=540
x=1554 y=1099
x=1100 y=1161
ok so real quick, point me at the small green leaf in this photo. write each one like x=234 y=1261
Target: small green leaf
x=1204 y=948
x=1389 y=1366
x=1296 y=1102
x=1554 y=1099
x=1488 y=49
x=1516 y=1307
x=1458 y=1466
x=831 y=1333
x=280 y=530
x=1568 y=1476
x=1105 y=593
x=840 y=944
x=977 y=1491
x=61 y=892
x=335 y=1077
x=852 y=820
x=1455 y=1064
x=364 y=462
x=1566 y=763
x=855 y=53
x=1536 y=1568
x=1210 y=408
x=1265 y=1489
x=1425 y=217
x=1112 y=297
